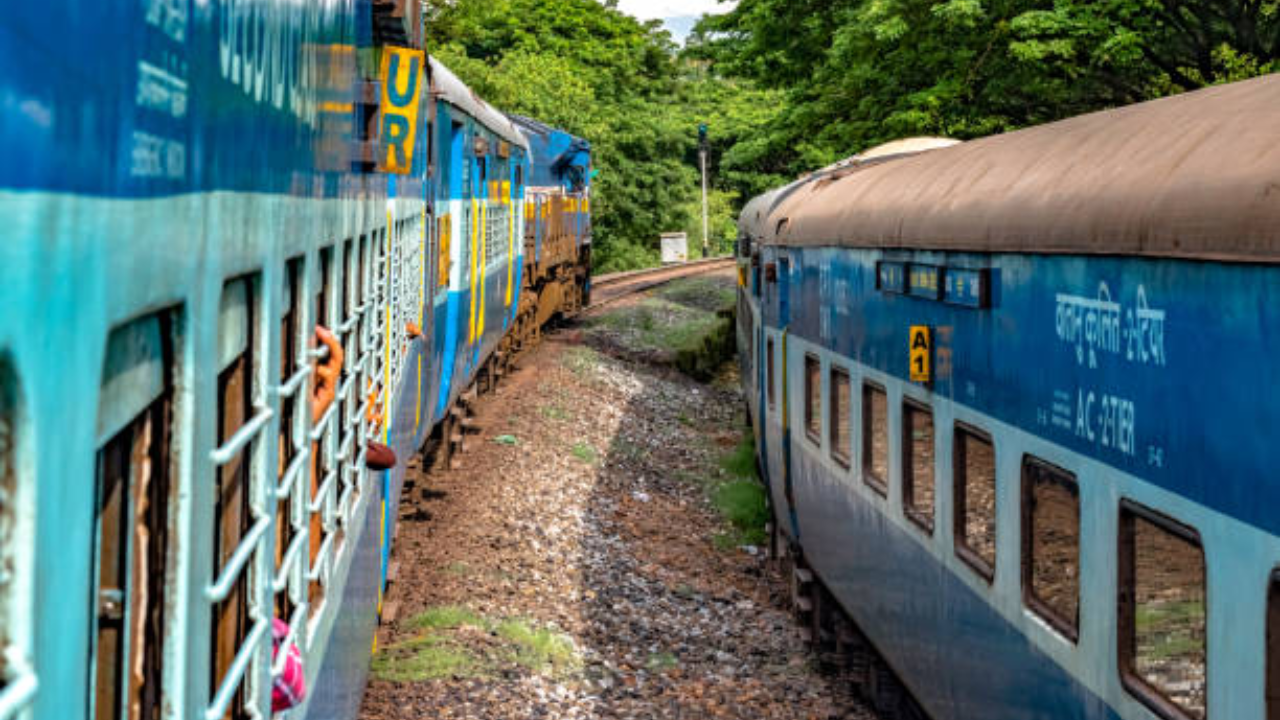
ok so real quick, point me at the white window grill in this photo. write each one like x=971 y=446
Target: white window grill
x=301 y=578
x=254 y=647
x=18 y=682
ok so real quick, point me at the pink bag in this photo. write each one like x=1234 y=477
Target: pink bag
x=289 y=688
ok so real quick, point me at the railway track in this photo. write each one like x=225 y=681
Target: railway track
x=606 y=289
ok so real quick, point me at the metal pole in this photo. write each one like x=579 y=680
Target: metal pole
x=706 y=243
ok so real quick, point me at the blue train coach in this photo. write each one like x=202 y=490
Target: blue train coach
x=1016 y=402
x=248 y=249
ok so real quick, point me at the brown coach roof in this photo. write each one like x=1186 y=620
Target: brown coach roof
x=1194 y=176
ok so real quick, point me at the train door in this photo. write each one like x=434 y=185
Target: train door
x=784 y=322
x=452 y=263
x=479 y=236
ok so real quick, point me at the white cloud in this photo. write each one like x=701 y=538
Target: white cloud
x=662 y=9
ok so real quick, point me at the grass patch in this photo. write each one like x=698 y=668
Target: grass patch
x=741 y=463
x=539 y=649
x=457 y=568
x=709 y=294
x=554 y=411
x=585 y=453
x=742 y=504
x=457 y=642
x=448 y=617
x=740 y=500
x=579 y=360
x=662 y=662
x=423 y=658
x=658 y=325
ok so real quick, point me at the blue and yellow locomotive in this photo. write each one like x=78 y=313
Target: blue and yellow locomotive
x=1016 y=402
x=191 y=190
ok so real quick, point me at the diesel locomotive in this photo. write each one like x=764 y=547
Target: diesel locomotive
x=1015 y=400
x=205 y=207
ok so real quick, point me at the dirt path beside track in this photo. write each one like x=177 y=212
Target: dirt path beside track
x=582 y=562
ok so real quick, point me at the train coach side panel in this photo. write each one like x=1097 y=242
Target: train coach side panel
x=1141 y=377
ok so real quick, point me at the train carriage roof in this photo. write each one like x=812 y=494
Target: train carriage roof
x=755 y=214
x=446 y=86
x=1194 y=176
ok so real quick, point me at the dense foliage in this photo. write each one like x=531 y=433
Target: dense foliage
x=617 y=82
x=860 y=72
x=790 y=85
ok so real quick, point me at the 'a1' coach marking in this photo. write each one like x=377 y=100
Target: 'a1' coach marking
x=920 y=354
x=401 y=78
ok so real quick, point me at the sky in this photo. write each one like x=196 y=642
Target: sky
x=678 y=15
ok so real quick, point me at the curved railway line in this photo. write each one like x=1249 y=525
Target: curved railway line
x=606 y=289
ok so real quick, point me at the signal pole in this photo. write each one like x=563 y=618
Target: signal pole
x=702 y=157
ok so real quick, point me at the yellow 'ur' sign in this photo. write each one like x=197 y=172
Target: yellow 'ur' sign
x=921 y=347
x=402 y=73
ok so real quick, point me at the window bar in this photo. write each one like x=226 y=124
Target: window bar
x=318 y=430
x=325 y=489
x=281 y=581
x=252 y=644
x=293 y=473
x=294 y=383
x=243 y=436
x=218 y=591
x=317 y=573
x=20 y=691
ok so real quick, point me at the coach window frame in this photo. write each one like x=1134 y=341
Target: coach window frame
x=1271 y=687
x=19 y=682
x=241 y=448
x=770 y=372
x=1038 y=471
x=869 y=476
x=141 y=454
x=813 y=399
x=841 y=451
x=924 y=521
x=1131 y=512
x=959 y=482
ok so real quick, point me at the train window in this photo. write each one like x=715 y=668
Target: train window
x=875 y=438
x=769 y=371
x=317 y=533
x=813 y=399
x=8 y=541
x=291 y=340
x=1162 y=613
x=347 y=303
x=841 y=432
x=133 y=486
x=1273 y=647
x=1051 y=545
x=917 y=463
x=232 y=518
x=324 y=290
x=974 y=469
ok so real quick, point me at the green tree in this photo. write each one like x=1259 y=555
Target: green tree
x=860 y=72
x=602 y=75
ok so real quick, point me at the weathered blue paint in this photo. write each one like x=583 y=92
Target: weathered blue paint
x=142 y=179
x=1013 y=362
x=1175 y=356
